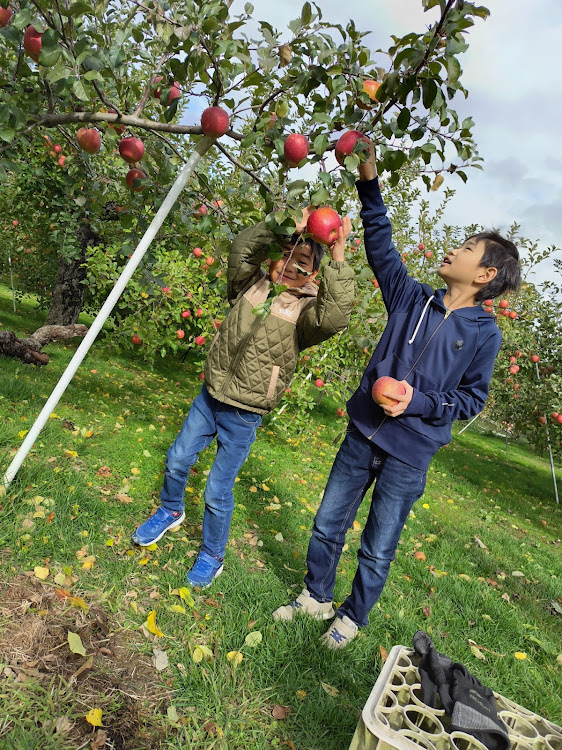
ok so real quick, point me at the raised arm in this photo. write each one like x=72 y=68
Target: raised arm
x=247 y=253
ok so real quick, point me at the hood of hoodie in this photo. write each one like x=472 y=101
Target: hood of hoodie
x=476 y=312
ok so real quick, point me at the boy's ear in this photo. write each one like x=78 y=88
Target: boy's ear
x=486 y=274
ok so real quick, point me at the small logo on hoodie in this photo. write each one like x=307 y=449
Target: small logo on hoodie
x=459 y=344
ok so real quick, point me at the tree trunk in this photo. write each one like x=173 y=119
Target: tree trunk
x=68 y=291
x=29 y=349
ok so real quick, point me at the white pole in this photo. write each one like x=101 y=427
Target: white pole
x=12 y=282
x=468 y=425
x=200 y=150
x=552 y=469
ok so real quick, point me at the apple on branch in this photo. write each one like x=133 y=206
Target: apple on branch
x=89 y=140
x=131 y=149
x=323 y=224
x=134 y=179
x=215 y=122
x=5 y=15
x=32 y=42
x=295 y=149
x=346 y=143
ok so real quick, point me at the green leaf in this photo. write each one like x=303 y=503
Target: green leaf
x=49 y=57
x=75 y=643
x=320 y=144
x=319 y=196
x=80 y=91
x=453 y=69
x=7 y=135
x=429 y=92
x=253 y=639
x=282 y=108
x=306 y=14
x=403 y=119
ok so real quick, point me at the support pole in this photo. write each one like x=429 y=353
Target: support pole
x=552 y=469
x=12 y=283
x=468 y=425
x=200 y=150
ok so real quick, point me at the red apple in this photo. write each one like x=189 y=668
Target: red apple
x=295 y=149
x=61 y=161
x=218 y=204
x=384 y=385
x=340 y=412
x=135 y=174
x=513 y=315
x=210 y=260
x=119 y=129
x=323 y=224
x=180 y=334
x=5 y=15
x=559 y=419
x=516 y=386
x=371 y=87
x=89 y=140
x=166 y=290
x=186 y=314
x=198 y=312
x=375 y=283
x=504 y=303
x=197 y=252
x=554 y=415
x=421 y=247
x=32 y=42
x=214 y=122
x=518 y=353
x=15 y=222
x=319 y=383
x=200 y=340
x=428 y=253
x=542 y=420
x=514 y=369
x=200 y=210
x=489 y=309
x=357 y=241
x=136 y=340
x=201 y=376
x=57 y=148
x=346 y=143
x=512 y=360
x=131 y=149
x=488 y=302
x=535 y=358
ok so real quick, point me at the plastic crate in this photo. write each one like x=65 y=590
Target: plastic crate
x=396 y=717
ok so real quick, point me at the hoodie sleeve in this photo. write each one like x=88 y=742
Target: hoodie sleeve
x=395 y=283
x=466 y=401
x=248 y=251
x=331 y=310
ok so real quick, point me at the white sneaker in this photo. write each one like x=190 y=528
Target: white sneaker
x=340 y=633
x=305 y=604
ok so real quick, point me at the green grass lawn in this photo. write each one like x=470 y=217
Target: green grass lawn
x=96 y=471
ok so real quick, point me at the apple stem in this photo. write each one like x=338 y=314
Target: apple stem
x=203 y=145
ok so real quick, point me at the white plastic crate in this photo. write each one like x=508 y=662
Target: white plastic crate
x=396 y=718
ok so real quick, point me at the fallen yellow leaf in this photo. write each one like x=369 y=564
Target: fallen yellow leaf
x=94 y=717
x=135 y=471
x=151 y=624
x=235 y=656
x=301 y=694
x=40 y=572
x=520 y=655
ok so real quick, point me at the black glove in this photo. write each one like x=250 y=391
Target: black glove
x=474 y=710
x=436 y=672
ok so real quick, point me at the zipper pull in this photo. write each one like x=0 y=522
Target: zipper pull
x=447 y=313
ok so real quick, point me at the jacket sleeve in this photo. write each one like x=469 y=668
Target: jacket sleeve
x=469 y=398
x=247 y=253
x=395 y=283
x=331 y=310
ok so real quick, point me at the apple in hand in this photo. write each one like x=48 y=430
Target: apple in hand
x=89 y=140
x=323 y=224
x=131 y=149
x=383 y=385
x=346 y=143
x=214 y=122
x=32 y=42
x=295 y=149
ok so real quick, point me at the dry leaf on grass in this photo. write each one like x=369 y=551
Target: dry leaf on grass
x=384 y=653
x=159 y=659
x=333 y=691
x=280 y=712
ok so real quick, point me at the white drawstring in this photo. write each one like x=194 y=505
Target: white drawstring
x=422 y=316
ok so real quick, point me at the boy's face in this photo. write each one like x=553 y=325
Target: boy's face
x=284 y=271
x=463 y=265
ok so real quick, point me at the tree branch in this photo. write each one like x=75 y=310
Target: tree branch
x=242 y=167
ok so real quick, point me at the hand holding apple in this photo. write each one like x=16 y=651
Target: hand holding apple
x=337 y=248
x=403 y=400
x=368 y=169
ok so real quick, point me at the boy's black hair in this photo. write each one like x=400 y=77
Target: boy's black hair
x=315 y=247
x=503 y=255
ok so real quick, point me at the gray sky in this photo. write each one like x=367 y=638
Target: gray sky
x=511 y=70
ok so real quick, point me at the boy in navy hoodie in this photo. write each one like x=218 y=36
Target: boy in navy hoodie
x=441 y=345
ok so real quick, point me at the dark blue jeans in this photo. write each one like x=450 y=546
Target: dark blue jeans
x=358 y=464
x=235 y=430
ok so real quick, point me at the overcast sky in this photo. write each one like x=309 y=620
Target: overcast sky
x=512 y=71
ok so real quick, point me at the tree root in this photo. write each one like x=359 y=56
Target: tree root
x=29 y=349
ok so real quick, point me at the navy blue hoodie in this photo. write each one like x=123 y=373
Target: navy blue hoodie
x=446 y=355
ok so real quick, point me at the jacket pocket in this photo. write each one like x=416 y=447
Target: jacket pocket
x=272 y=382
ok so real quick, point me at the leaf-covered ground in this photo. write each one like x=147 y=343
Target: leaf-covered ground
x=479 y=567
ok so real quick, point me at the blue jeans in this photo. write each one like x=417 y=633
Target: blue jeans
x=235 y=430
x=358 y=464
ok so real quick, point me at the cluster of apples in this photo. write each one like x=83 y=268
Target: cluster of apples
x=503 y=308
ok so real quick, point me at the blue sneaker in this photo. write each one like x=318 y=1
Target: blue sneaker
x=204 y=571
x=156 y=526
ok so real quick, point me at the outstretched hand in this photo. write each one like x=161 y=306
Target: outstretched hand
x=403 y=401
x=337 y=248
x=368 y=169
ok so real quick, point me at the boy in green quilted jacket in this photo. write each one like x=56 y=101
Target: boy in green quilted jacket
x=250 y=363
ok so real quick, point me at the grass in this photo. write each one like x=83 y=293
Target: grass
x=96 y=471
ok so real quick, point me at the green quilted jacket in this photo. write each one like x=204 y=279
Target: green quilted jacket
x=251 y=361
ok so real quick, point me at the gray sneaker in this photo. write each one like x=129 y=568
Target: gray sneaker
x=306 y=605
x=340 y=633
